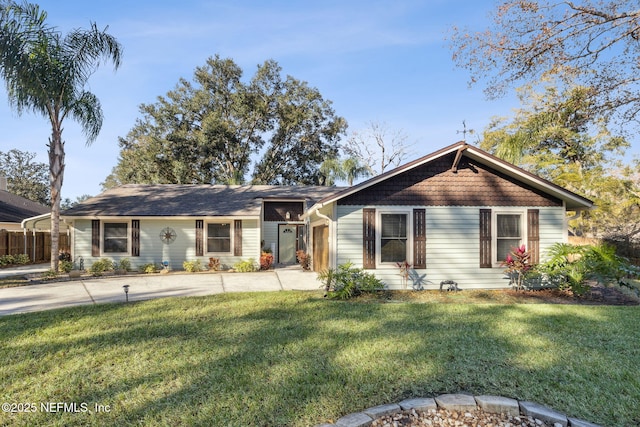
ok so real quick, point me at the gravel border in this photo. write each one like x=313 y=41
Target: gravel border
x=462 y=402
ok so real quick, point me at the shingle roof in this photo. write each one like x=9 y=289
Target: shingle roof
x=15 y=208
x=192 y=200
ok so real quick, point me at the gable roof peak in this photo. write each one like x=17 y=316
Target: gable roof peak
x=461 y=148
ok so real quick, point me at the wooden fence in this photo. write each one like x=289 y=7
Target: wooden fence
x=13 y=243
x=627 y=248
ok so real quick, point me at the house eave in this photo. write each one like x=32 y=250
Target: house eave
x=573 y=201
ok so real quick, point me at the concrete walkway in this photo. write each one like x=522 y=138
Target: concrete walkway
x=98 y=290
x=24 y=269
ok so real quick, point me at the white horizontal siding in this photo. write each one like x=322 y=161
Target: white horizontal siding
x=270 y=236
x=453 y=249
x=153 y=251
x=453 y=246
x=81 y=245
x=552 y=229
x=349 y=235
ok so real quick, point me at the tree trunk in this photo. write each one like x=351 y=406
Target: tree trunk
x=56 y=173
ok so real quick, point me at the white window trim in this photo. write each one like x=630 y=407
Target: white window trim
x=390 y=210
x=102 y=237
x=231 y=237
x=494 y=230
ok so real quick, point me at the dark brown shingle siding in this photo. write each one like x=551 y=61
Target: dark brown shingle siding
x=277 y=211
x=434 y=184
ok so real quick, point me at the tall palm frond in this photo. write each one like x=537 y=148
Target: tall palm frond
x=47 y=73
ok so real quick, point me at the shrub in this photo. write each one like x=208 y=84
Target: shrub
x=517 y=264
x=572 y=266
x=6 y=260
x=99 y=267
x=64 y=256
x=192 y=266
x=49 y=274
x=65 y=266
x=304 y=259
x=347 y=282
x=604 y=265
x=149 y=268
x=124 y=264
x=21 y=259
x=266 y=260
x=247 y=266
x=18 y=259
x=214 y=264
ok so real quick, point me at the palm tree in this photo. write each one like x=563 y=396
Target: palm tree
x=330 y=171
x=334 y=169
x=354 y=170
x=46 y=72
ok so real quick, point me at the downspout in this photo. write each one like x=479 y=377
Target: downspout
x=316 y=209
x=323 y=216
x=576 y=215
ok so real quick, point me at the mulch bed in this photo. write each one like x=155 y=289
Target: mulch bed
x=598 y=295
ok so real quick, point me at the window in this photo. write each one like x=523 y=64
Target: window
x=508 y=234
x=219 y=237
x=393 y=237
x=115 y=237
x=502 y=231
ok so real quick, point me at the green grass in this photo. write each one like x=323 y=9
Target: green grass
x=296 y=359
x=12 y=281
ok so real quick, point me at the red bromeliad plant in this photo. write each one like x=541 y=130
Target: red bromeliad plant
x=517 y=264
x=266 y=260
x=404 y=267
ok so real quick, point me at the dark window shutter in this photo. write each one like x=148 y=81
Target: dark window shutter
x=533 y=235
x=485 y=238
x=135 y=237
x=95 y=237
x=368 y=238
x=199 y=237
x=237 y=237
x=419 y=238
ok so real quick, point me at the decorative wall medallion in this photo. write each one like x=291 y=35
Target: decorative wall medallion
x=168 y=235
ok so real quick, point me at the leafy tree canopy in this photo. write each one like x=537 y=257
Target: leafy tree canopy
x=25 y=177
x=221 y=129
x=591 y=42
x=553 y=131
x=560 y=137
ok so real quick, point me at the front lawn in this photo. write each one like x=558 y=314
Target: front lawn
x=296 y=359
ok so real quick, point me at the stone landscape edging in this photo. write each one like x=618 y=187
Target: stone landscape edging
x=461 y=402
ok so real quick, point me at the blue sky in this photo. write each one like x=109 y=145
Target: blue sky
x=382 y=61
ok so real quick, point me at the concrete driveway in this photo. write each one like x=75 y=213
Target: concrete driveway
x=91 y=290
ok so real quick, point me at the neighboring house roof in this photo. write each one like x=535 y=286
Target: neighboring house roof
x=457 y=151
x=149 y=200
x=15 y=208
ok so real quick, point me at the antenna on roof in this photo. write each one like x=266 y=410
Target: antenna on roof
x=465 y=131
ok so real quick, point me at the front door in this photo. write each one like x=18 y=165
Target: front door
x=287 y=236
